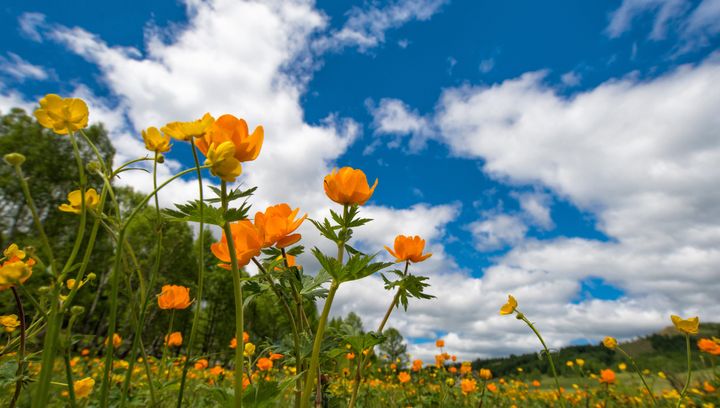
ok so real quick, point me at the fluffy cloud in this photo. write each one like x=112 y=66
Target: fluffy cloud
x=497 y=232
x=392 y=117
x=19 y=69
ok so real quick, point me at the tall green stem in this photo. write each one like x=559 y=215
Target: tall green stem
x=201 y=274
x=237 y=287
x=21 y=353
x=689 y=371
x=547 y=354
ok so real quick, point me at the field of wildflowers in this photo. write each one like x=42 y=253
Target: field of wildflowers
x=43 y=362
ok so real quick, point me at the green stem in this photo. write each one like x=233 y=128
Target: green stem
x=201 y=274
x=21 y=353
x=547 y=354
x=237 y=287
x=71 y=383
x=163 y=360
x=689 y=372
x=115 y=284
x=83 y=210
x=315 y=357
x=637 y=370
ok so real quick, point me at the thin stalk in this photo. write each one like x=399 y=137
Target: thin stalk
x=201 y=278
x=637 y=370
x=137 y=334
x=83 y=210
x=21 y=352
x=71 y=383
x=365 y=358
x=689 y=372
x=237 y=287
x=163 y=360
x=547 y=353
x=115 y=285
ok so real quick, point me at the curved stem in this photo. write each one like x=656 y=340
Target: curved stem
x=637 y=370
x=547 y=354
x=83 y=209
x=689 y=372
x=21 y=352
x=201 y=273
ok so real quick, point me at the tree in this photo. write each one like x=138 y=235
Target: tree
x=394 y=345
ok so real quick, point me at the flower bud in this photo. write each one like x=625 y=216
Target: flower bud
x=519 y=316
x=91 y=276
x=94 y=166
x=161 y=159
x=43 y=289
x=77 y=310
x=14 y=159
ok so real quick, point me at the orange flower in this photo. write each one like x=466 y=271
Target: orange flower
x=468 y=386
x=228 y=128
x=175 y=339
x=485 y=374
x=85 y=352
x=607 y=376
x=408 y=249
x=264 y=364
x=217 y=370
x=536 y=383
x=404 y=377
x=276 y=225
x=350 y=356
x=201 y=364
x=417 y=365
x=439 y=343
x=453 y=370
x=709 y=346
x=465 y=368
x=492 y=387
x=248 y=243
x=174 y=297
x=275 y=356
x=348 y=186
x=116 y=340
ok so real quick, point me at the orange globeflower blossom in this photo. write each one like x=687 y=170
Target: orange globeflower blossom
x=233 y=342
x=174 y=297
x=404 y=377
x=217 y=370
x=468 y=386
x=175 y=339
x=85 y=352
x=201 y=364
x=348 y=186
x=492 y=387
x=116 y=340
x=607 y=376
x=408 y=248
x=536 y=383
x=228 y=128
x=248 y=244
x=276 y=225
x=485 y=374
x=439 y=343
x=465 y=368
x=453 y=370
x=417 y=365
x=350 y=356
x=275 y=356
x=264 y=364
x=709 y=346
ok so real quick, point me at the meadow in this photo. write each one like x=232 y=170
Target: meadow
x=110 y=300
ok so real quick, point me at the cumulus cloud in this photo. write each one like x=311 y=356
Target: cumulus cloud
x=366 y=26
x=497 y=232
x=19 y=69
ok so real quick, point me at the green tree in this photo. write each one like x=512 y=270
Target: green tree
x=394 y=345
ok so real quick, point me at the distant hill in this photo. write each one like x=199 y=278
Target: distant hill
x=661 y=351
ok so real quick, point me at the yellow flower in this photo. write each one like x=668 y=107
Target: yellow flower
x=688 y=326
x=75 y=201
x=485 y=374
x=580 y=362
x=156 y=141
x=249 y=350
x=188 y=130
x=83 y=387
x=9 y=322
x=622 y=366
x=15 y=271
x=62 y=115
x=610 y=342
x=570 y=364
x=222 y=161
x=509 y=307
x=13 y=251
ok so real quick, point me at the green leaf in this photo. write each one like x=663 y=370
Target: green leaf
x=360 y=266
x=190 y=211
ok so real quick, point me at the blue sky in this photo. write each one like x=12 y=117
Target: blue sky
x=520 y=136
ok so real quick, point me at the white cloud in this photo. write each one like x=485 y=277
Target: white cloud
x=18 y=68
x=392 y=117
x=366 y=26
x=695 y=25
x=29 y=24
x=497 y=232
x=537 y=208
x=486 y=65
x=571 y=79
